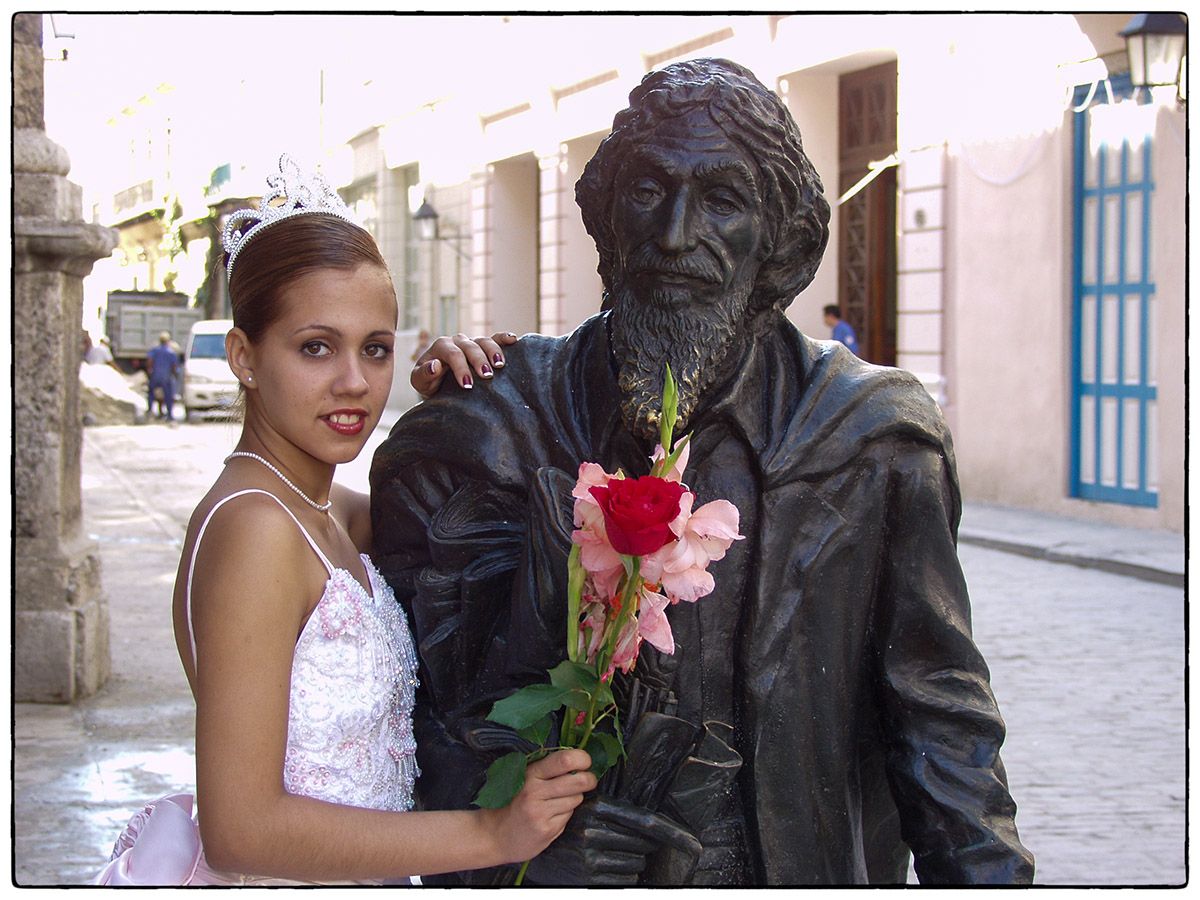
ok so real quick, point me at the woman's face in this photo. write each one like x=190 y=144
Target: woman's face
x=323 y=369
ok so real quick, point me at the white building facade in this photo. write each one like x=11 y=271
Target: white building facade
x=1020 y=246
x=1008 y=216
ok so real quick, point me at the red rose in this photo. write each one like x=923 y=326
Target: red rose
x=638 y=512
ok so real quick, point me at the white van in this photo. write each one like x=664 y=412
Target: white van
x=208 y=382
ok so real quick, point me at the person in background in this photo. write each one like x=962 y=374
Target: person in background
x=841 y=329
x=423 y=340
x=99 y=354
x=177 y=380
x=162 y=364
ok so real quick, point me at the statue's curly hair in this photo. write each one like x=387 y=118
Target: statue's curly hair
x=796 y=214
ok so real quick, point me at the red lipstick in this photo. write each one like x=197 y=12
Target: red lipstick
x=347 y=422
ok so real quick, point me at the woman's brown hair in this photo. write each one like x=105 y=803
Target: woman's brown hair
x=285 y=251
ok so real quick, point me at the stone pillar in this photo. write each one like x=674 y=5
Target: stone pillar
x=478 y=248
x=556 y=197
x=61 y=631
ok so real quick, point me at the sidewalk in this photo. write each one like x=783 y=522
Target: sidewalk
x=1138 y=552
x=80 y=771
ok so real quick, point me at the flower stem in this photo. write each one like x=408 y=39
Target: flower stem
x=575 y=578
x=629 y=592
x=589 y=724
x=521 y=873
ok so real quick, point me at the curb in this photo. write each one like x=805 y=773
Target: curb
x=1083 y=560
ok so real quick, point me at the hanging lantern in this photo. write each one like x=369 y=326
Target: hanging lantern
x=1156 y=44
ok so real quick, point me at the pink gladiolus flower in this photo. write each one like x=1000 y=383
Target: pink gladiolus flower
x=676 y=473
x=594 y=621
x=675 y=571
x=652 y=565
x=713 y=528
x=688 y=585
x=596 y=554
x=706 y=535
x=652 y=621
x=588 y=515
x=590 y=475
x=599 y=560
x=626 y=651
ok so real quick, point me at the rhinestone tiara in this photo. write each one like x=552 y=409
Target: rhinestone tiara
x=292 y=193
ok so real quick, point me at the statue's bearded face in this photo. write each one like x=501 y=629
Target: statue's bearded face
x=688 y=225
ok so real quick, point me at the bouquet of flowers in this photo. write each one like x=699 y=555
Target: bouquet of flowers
x=638 y=547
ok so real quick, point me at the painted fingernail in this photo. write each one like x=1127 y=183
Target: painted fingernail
x=467 y=382
x=498 y=360
x=486 y=371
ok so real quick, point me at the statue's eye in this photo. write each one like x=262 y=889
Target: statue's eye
x=645 y=190
x=722 y=202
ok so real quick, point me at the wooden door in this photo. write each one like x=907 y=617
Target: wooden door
x=867 y=223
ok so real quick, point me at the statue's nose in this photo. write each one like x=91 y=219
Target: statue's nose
x=677 y=233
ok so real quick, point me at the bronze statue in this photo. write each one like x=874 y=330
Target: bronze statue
x=835 y=711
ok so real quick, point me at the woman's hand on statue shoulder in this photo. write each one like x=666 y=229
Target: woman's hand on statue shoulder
x=463 y=357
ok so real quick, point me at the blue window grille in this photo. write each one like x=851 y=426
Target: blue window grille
x=1114 y=451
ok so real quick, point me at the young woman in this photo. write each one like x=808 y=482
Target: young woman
x=298 y=655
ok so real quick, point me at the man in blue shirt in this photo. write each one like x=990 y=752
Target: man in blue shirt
x=162 y=365
x=841 y=330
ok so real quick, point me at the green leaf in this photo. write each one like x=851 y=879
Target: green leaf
x=505 y=777
x=576 y=677
x=604 y=696
x=617 y=729
x=605 y=750
x=539 y=731
x=526 y=706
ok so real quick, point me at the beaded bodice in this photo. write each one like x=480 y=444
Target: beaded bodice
x=350 y=737
x=353 y=681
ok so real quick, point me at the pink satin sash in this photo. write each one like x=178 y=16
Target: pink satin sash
x=159 y=846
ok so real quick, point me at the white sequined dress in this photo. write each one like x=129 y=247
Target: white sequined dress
x=350 y=737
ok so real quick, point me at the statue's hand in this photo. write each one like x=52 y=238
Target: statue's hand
x=607 y=842
x=492 y=738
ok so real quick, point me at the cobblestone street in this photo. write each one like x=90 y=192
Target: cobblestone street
x=1088 y=669
x=1087 y=666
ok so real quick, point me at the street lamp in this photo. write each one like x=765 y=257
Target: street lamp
x=1156 y=44
x=425 y=220
x=425 y=224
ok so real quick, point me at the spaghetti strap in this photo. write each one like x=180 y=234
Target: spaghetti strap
x=187 y=593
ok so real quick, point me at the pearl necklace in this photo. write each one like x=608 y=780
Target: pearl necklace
x=319 y=507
